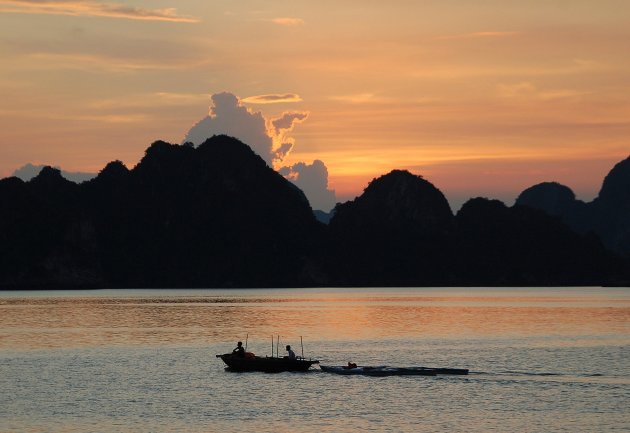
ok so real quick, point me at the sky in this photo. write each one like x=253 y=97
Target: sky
x=481 y=98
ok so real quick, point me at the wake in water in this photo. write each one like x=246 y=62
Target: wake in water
x=517 y=376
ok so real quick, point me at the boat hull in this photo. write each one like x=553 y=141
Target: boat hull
x=266 y=364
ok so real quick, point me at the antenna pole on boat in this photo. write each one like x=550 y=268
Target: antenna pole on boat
x=278 y=347
x=302 y=344
x=246 y=337
x=272 y=346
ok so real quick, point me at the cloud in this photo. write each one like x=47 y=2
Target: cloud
x=288 y=119
x=171 y=99
x=288 y=21
x=357 y=98
x=479 y=35
x=313 y=180
x=272 y=98
x=102 y=63
x=528 y=91
x=93 y=9
x=228 y=116
x=269 y=138
x=521 y=89
x=280 y=127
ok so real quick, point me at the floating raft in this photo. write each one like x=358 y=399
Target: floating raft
x=385 y=370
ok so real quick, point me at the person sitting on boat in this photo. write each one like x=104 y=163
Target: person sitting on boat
x=239 y=350
x=291 y=354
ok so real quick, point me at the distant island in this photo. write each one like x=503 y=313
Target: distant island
x=217 y=215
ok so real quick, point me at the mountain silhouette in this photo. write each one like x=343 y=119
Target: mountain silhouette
x=611 y=209
x=29 y=171
x=396 y=233
x=214 y=216
x=608 y=215
x=522 y=246
x=218 y=216
x=552 y=197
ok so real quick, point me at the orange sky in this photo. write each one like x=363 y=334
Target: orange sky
x=480 y=97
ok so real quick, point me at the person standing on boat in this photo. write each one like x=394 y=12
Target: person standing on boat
x=291 y=354
x=239 y=350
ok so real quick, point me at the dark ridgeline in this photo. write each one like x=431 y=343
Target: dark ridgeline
x=218 y=216
x=608 y=216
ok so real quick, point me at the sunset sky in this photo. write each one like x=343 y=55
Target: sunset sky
x=480 y=97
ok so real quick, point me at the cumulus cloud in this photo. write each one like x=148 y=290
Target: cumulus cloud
x=269 y=138
x=272 y=98
x=288 y=120
x=280 y=128
x=313 y=180
x=228 y=116
x=92 y=8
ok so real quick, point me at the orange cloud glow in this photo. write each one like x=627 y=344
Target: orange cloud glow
x=288 y=21
x=272 y=98
x=476 y=35
x=92 y=8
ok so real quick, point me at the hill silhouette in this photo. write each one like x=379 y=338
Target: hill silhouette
x=608 y=215
x=521 y=246
x=212 y=216
x=218 y=216
x=396 y=233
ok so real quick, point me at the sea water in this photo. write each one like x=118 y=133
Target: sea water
x=541 y=360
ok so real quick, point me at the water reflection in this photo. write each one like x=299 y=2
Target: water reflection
x=140 y=318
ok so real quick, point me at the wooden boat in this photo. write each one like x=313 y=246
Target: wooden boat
x=385 y=370
x=267 y=364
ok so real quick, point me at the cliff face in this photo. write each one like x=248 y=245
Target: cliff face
x=608 y=215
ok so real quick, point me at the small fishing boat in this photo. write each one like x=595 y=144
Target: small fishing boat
x=385 y=370
x=267 y=364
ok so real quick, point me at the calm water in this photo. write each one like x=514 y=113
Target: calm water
x=542 y=360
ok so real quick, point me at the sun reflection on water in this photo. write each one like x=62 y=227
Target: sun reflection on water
x=76 y=320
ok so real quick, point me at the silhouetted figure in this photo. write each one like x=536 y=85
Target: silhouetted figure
x=239 y=350
x=290 y=353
